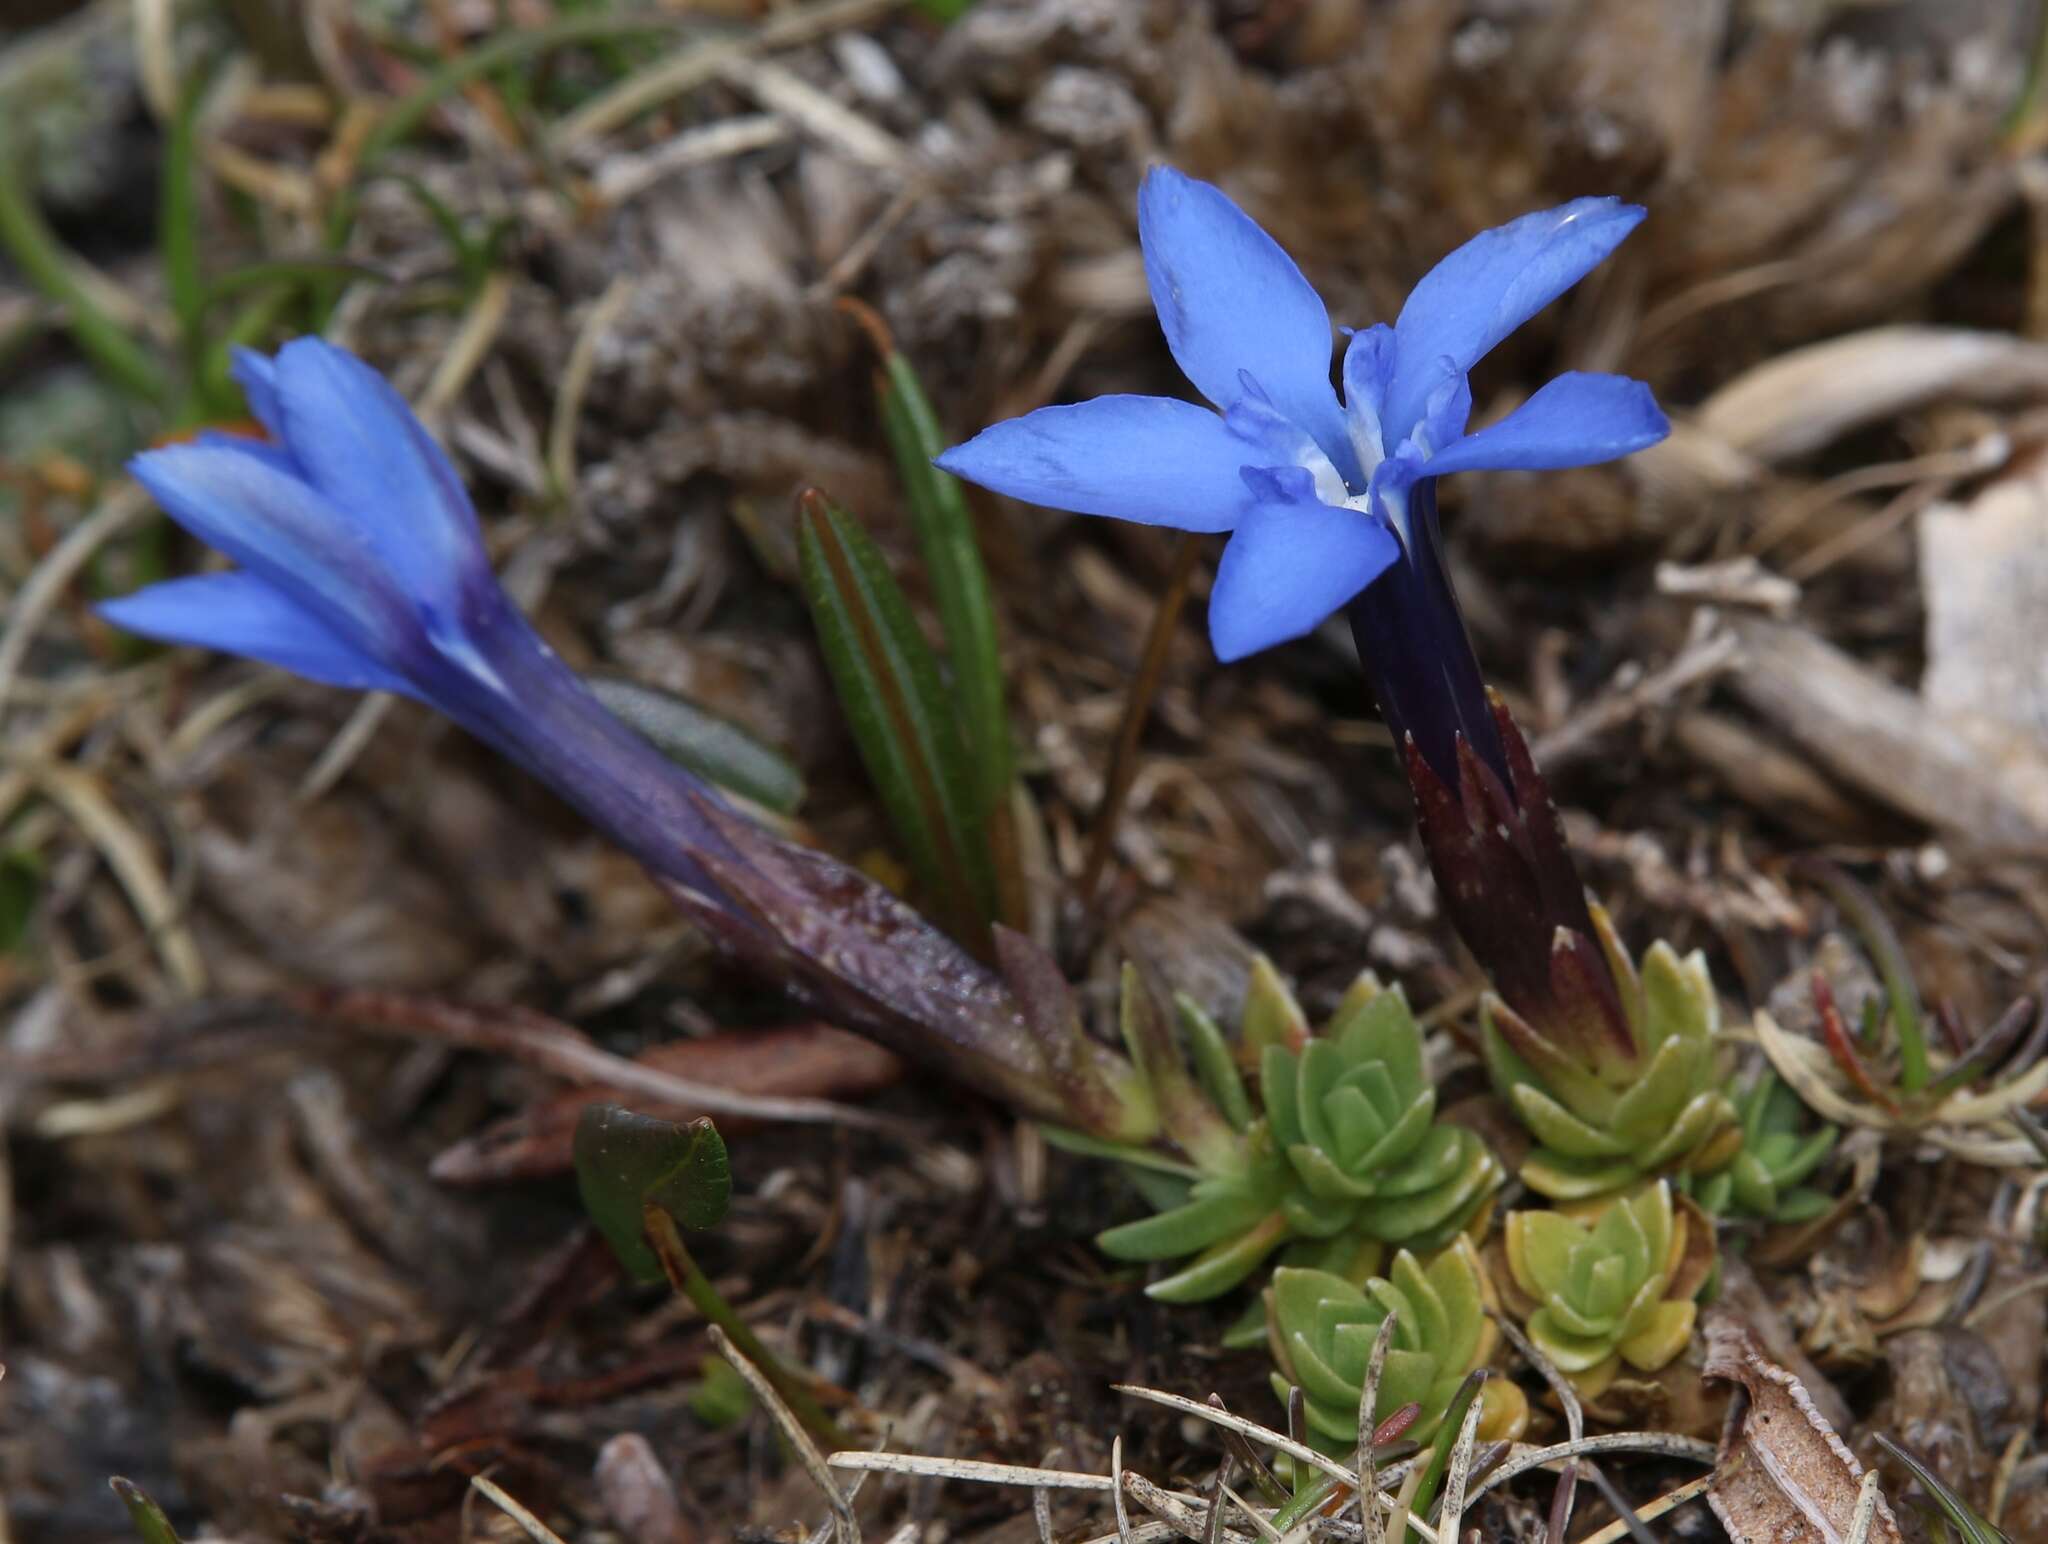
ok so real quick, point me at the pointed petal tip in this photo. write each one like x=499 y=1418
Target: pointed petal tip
x=1154 y=460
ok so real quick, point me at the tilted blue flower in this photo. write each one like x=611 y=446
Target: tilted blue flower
x=1327 y=498
x=361 y=565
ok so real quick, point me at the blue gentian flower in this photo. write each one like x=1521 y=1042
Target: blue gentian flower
x=361 y=565
x=1328 y=501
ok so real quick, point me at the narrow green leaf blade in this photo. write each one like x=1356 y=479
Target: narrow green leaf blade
x=888 y=684
x=959 y=580
x=151 y=1526
x=27 y=239
x=624 y=1161
x=1960 y=1515
x=714 y=748
x=21 y=883
x=178 y=217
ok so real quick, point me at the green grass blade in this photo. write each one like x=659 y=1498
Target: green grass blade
x=35 y=250
x=177 y=234
x=959 y=579
x=1960 y=1515
x=21 y=884
x=887 y=680
x=960 y=587
x=151 y=1526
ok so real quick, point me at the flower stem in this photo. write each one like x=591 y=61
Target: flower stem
x=1417 y=656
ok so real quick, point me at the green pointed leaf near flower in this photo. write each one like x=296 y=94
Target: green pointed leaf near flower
x=625 y=1161
x=888 y=683
x=958 y=577
x=714 y=748
x=151 y=1526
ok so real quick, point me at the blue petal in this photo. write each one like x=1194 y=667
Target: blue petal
x=1154 y=460
x=237 y=498
x=257 y=377
x=1368 y=372
x=1287 y=568
x=361 y=446
x=1574 y=420
x=237 y=613
x=1448 y=407
x=1275 y=441
x=1493 y=284
x=1230 y=300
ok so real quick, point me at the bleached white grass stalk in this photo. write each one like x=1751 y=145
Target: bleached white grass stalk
x=793 y=1433
x=1199 y=1519
x=1864 y=1518
x=1370 y=1528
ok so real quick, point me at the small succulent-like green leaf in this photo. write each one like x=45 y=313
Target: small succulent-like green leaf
x=1223 y=1265
x=1571 y=1352
x=1271 y=1015
x=626 y=1161
x=1715 y=1192
x=1412 y=1146
x=1705 y=1114
x=1214 y=1066
x=1596 y=1138
x=1071 y=1141
x=1540 y=1246
x=1679 y=994
x=1753 y=1188
x=1326 y=1326
x=1777 y=1154
x=1576 y=1179
x=1429 y=1218
x=1643 y=1113
x=1603 y=1289
x=1198 y=1128
x=1560 y=1130
x=888 y=684
x=1186 y=1230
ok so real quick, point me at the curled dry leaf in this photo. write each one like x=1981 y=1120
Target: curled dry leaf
x=1782 y=1474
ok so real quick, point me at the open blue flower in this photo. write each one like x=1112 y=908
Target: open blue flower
x=1325 y=499
x=361 y=565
